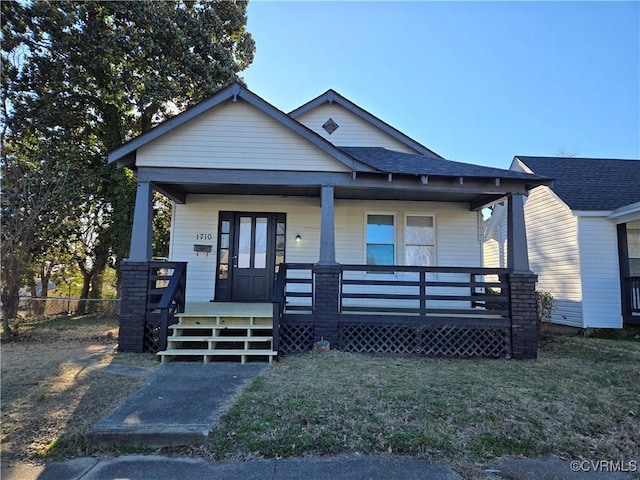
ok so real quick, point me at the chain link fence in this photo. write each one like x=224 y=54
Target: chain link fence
x=36 y=308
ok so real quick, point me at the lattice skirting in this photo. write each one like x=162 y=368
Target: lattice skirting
x=437 y=340
x=296 y=337
x=151 y=336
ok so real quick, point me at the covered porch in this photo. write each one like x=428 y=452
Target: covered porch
x=439 y=310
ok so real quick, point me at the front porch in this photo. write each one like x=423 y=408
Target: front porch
x=435 y=311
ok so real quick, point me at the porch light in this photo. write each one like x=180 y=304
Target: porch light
x=298 y=238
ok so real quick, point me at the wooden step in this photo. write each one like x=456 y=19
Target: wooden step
x=209 y=354
x=224 y=320
x=218 y=339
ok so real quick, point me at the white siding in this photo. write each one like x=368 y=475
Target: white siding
x=236 y=135
x=352 y=131
x=457 y=242
x=599 y=265
x=552 y=235
x=491 y=253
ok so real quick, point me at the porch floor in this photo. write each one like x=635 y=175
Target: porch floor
x=228 y=309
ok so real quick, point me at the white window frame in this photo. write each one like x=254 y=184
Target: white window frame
x=396 y=237
x=404 y=235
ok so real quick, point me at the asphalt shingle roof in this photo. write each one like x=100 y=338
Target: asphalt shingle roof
x=390 y=161
x=590 y=183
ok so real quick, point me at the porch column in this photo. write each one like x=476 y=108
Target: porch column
x=327 y=228
x=135 y=274
x=517 y=254
x=522 y=284
x=141 y=233
x=327 y=275
x=133 y=305
x=326 y=310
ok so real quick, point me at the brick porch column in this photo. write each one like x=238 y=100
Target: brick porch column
x=524 y=327
x=135 y=279
x=326 y=291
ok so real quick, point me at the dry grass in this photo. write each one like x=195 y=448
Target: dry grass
x=579 y=399
x=55 y=383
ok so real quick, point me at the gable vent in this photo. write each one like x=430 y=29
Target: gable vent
x=330 y=126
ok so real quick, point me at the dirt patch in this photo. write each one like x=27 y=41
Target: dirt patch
x=58 y=382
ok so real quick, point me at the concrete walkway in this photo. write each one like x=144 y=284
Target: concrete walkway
x=147 y=467
x=178 y=405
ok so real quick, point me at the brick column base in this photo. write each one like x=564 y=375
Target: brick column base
x=524 y=328
x=135 y=281
x=326 y=311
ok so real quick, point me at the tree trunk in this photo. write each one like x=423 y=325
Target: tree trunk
x=10 y=294
x=86 y=285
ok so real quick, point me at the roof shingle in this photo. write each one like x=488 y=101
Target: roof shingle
x=590 y=183
x=390 y=161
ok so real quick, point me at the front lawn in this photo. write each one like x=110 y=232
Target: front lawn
x=580 y=398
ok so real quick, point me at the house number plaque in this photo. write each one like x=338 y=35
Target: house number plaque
x=204 y=236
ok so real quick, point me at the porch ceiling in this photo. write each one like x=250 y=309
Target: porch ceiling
x=178 y=193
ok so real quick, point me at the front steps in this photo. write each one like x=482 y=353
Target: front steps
x=229 y=332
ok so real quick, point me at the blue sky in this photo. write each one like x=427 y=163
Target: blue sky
x=477 y=82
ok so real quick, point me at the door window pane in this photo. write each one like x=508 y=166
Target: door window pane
x=260 y=260
x=244 y=243
x=380 y=240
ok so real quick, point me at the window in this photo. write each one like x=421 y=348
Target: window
x=633 y=242
x=381 y=237
x=419 y=241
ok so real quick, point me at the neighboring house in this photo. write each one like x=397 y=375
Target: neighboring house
x=332 y=214
x=583 y=234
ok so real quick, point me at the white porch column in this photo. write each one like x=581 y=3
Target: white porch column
x=327 y=228
x=141 y=233
x=517 y=254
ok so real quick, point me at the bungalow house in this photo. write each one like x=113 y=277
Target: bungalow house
x=583 y=235
x=325 y=223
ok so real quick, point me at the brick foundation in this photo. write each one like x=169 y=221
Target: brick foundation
x=135 y=278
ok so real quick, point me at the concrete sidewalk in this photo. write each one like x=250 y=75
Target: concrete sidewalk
x=155 y=467
x=177 y=405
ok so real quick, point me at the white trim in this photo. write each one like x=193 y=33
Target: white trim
x=591 y=213
x=626 y=214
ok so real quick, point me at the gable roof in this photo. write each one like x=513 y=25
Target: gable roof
x=125 y=155
x=390 y=161
x=331 y=96
x=594 y=184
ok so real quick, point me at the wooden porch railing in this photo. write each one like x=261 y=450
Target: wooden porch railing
x=165 y=299
x=433 y=310
x=453 y=292
x=292 y=293
x=632 y=288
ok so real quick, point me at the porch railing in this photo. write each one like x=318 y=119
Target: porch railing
x=293 y=294
x=433 y=310
x=632 y=287
x=165 y=299
x=453 y=292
